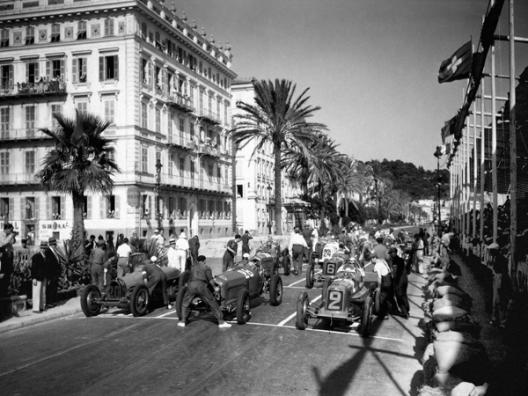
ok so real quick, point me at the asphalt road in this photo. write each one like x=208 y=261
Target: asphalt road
x=118 y=354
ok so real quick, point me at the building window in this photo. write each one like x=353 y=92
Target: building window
x=158 y=119
x=182 y=166
x=29 y=208
x=30 y=162
x=109 y=27
x=4 y=207
x=32 y=72
x=182 y=125
x=30 y=35
x=225 y=113
x=169 y=124
x=55 y=32
x=144 y=31
x=55 y=109
x=81 y=30
x=111 y=209
x=4 y=163
x=5 y=121
x=144 y=115
x=171 y=165
x=144 y=159
x=30 y=119
x=55 y=68
x=4 y=38
x=108 y=68
x=56 y=208
x=82 y=105
x=109 y=110
x=79 y=66
x=143 y=72
x=191 y=169
x=6 y=76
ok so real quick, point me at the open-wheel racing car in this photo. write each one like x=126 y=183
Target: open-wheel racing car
x=281 y=256
x=240 y=284
x=347 y=298
x=329 y=259
x=129 y=292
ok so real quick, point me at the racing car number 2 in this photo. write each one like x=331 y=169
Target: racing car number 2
x=334 y=300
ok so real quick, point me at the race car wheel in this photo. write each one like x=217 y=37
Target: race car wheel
x=242 y=308
x=310 y=276
x=366 y=317
x=301 y=320
x=139 y=301
x=179 y=301
x=88 y=304
x=276 y=290
x=286 y=264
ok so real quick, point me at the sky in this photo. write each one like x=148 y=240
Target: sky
x=371 y=65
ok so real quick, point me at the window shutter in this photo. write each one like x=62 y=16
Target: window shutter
x=37 y=72
x=63 y=69
x=116 y=67
x=37 y=208
x=63 y=207
x=11 y=79
x=149 y=76
x=27 y=72
x=152 y=208
x=75 y=73
x=102 y=207
x=101 y=68
x=11 y=209
x=89 y=213
x=48 y=69
x=84 y=68
x=22 y=208
x=117 y=202
x=49 y=208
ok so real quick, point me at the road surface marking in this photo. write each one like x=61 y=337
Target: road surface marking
x=166 y=314
x=294 y=283
x=294 y=287
x=283 y=322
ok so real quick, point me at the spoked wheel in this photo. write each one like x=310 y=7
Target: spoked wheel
x=242 y=309
x=276 y=290
x=301 y=320
x=139 y=301
x=366 y=317
x=310 y=276
x=89 y=296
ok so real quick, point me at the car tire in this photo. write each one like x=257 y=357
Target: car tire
x=366 y=317
x=276 y=290
x=139 y=300
x=301 y=319
x=88 y=305
x=286 y=265
x=310 y=276
x=242 y=307
x=179 y=301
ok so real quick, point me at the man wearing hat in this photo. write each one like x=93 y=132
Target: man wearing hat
x=97 y=260
x=172 y=256
x=230 y=253
x=182 y=250
x=6 y=257
x=53 y=271
x=38 y=273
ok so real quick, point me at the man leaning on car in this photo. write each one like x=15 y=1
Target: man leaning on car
x=201 y=277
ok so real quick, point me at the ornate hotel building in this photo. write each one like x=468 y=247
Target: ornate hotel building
x=164 y=86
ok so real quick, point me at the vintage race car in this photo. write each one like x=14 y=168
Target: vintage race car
x=348 y=297
x=282 y=256
x=331 y=260
x=239 y=285
x=129 y=292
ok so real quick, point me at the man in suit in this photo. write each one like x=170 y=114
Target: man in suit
x=38 y=274
x=53 y=271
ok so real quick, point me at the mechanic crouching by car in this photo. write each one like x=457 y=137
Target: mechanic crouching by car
x=153 y=274
x=297 y=248
x=201 y=278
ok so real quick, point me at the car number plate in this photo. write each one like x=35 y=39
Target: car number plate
x=335 y=299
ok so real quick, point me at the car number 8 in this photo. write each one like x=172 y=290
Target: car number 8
x=334 y=300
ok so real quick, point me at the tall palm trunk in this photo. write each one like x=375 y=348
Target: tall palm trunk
x=78 y=220
x=234 y=148
x=278 y=186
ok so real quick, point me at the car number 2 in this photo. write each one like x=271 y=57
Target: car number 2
x=334 y=300
x=247 y=273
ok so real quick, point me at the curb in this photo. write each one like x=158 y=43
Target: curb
x=36 y=318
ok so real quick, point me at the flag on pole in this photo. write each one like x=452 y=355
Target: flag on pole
x=457 y=66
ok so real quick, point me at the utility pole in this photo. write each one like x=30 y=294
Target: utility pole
x=157 y=190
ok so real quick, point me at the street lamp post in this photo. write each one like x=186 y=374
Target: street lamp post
x=269 y=208
x=157 y=191
x=438 y=153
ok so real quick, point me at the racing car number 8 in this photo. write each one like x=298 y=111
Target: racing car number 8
x=334 y=300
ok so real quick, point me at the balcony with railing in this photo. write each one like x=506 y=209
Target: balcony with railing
x=43 y=88
x=180 y=101
x=7 y=133
x=196 y=182
x=181 y=141
x=209 y=116
x=18 y=178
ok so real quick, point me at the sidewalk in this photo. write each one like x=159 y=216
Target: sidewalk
x=507 y=348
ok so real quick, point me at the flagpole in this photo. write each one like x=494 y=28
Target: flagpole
x=475 y=152
x=482 y=160
x=494 y=144
x=513 y=144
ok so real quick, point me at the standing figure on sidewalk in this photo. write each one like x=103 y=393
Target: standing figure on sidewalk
x=307 y=235
x=53 y=271
x=38 y=275
x=6 y=258
x=97 y=260
x=400 y=282
x=245 y=242
x=182 y=250
x=230 y=253
x=297 y=247
x=386 y=287
x=152 y=275
x=502 y=288
x=194 y=247
x=123 y=254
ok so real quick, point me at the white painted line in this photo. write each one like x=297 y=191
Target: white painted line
x=283 y=322
x=294 y=283
x=170 y=312
x=295 y=287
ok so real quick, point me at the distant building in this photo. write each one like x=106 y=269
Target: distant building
x=255 y=181
x=165 y=87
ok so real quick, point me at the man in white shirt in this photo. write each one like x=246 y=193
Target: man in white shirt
x=297 y=247
x=157 y=238
x=123 y=254
x=182 y=250
x=172 y=256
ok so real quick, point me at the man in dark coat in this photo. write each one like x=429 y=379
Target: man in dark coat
x=230 y=253
x=38 y=275
x=194 y=246
x=399 y=272
x=245 y=242
x=6 y=258
x=53 y=271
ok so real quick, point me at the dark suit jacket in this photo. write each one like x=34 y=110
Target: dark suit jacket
x=38 y=266
x=53 y=267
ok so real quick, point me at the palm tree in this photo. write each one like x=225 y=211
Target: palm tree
x=279 y=119
x=80 y=161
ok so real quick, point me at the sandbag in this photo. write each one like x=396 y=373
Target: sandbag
x=447 y=313
x=456 y=336
x=451 y=289
x=451 y=300
x=463 y=326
